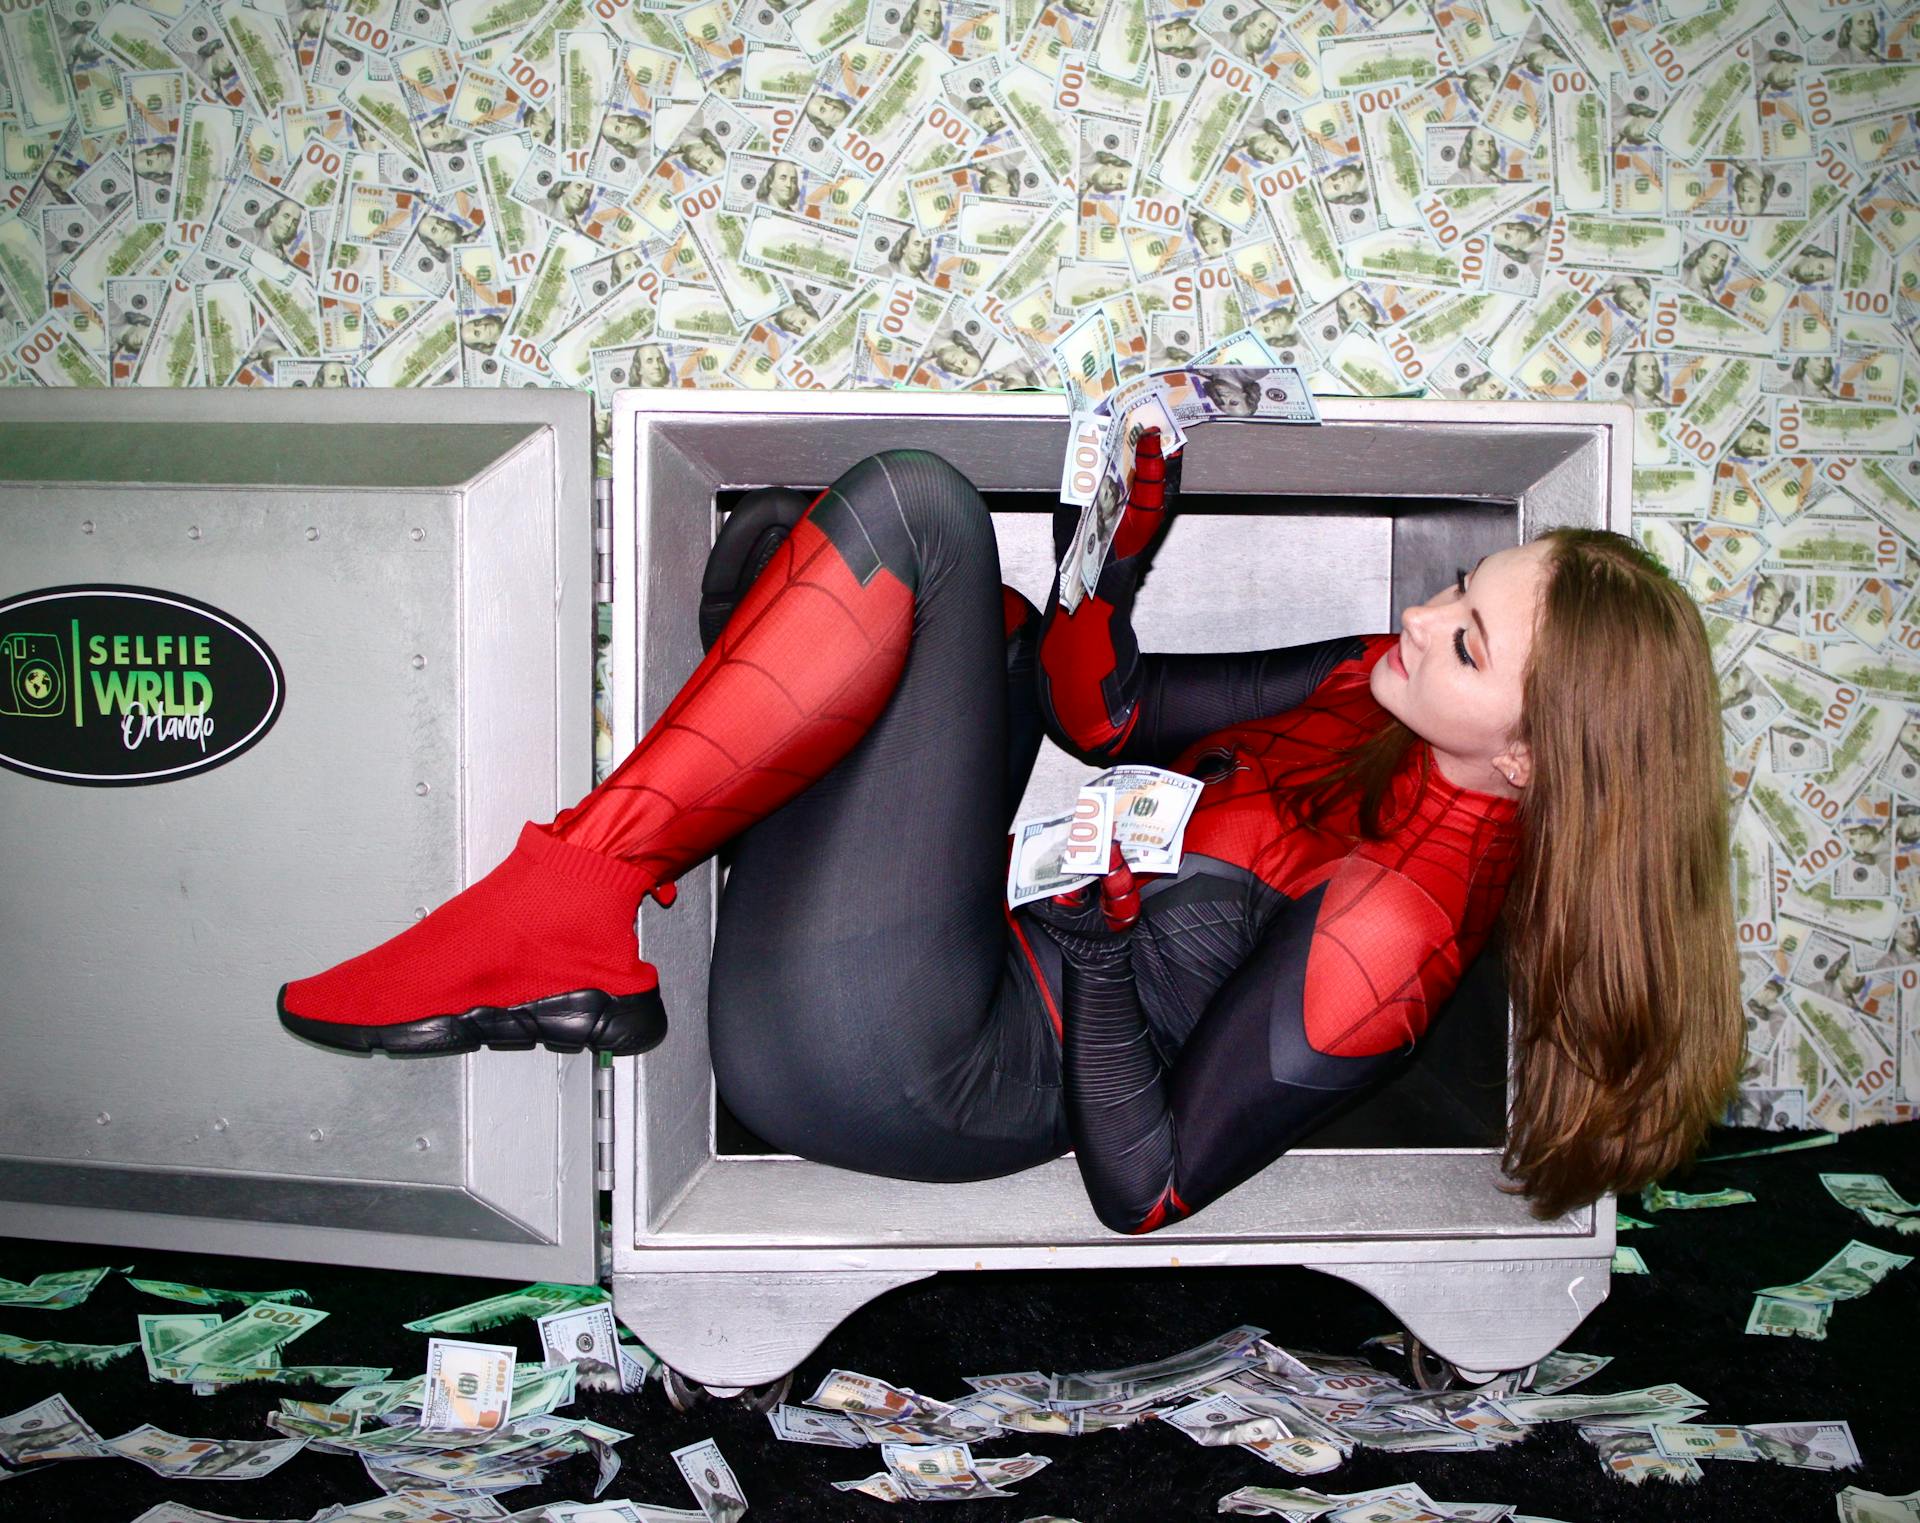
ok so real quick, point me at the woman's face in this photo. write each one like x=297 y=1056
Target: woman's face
x=1469 y=712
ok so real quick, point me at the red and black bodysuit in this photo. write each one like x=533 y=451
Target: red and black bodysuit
x=857 y=738
x=1283 y=968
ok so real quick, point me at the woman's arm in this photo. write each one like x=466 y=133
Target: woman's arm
x=1335 y=994
x=1105 y=702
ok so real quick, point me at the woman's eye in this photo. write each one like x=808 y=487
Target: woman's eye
x=1460 y=635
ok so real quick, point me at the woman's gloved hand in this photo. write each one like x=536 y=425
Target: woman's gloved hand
x=1092 y=923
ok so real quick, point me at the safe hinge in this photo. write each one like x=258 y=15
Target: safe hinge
x=603 y=541
x=603 y=1128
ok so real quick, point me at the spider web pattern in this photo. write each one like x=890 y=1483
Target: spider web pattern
x=798 y=675
x=1401 y=917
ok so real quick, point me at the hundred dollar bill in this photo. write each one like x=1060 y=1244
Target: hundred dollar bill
x=1806 y=1445
x=801 y=1425
x=586 y=64
x=265 y=230
x=483 y=302
x=469 y=1385
x=725 y=242
x=586 y=1337
x=1776 y=1318
x=1580 y=146
x=712 y=1481
x=155 y=100
x=1737 y=187
x=781 y=243
x=226 y=321
x=1475 y=156
x=242 y=1339
x=1159 y=1381
x=1371 y=60
x=1647 y=1401
x=1208 y=124
x=210 y=136
x=1804 y=426
x=1875 y=1199
x=90 y=1356
x=161 y=1334
x=54 y=356
x=202 y=1459
x=697 y=152
x=1036 y=869
x=1816 y=543
x=1851 y=1272
x=133 y=308
x=57 y=1290
x=260 y=50
x=1843 y=96
x=1024 y=97
x=42 y=90
x=47 y=1430
x=1517 y=109
x=1654 y=1198
x=1151 y=810
x=1083 y=86
x=1701 y=106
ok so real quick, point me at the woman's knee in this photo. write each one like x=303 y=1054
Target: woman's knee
x=908 y=510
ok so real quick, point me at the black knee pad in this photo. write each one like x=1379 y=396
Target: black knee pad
x=747 y=539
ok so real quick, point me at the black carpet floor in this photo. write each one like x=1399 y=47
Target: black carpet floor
x=1683 y=1322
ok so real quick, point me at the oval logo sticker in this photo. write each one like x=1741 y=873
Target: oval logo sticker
x=110 y=686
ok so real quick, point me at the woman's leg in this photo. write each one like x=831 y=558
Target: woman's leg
x=806 y=666
x=542 y=948
x=866 y=1005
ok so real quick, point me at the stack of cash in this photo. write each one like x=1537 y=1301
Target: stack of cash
x=1800 y=1310
x=1858 y=1505
x=1143 y=809
x=1302 y=1412
x=476 y=1422
x=1875 y=1200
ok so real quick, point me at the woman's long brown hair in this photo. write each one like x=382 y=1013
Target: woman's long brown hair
x=1617 y=929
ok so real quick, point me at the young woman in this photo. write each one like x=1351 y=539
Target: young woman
x=1537 y=752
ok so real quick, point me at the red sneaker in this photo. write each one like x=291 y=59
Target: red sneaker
x=540 y=950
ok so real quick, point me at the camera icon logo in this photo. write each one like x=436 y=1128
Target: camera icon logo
x=32 y=682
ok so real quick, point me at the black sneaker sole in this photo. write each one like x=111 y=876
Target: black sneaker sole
x=622 y=1024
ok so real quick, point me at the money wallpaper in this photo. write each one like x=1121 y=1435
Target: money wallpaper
x=1710 y=208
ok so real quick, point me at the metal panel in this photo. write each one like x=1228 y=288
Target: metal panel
x=420 y=563
x=702 y=1243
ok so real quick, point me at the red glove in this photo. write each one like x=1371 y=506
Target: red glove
x=1119 y=894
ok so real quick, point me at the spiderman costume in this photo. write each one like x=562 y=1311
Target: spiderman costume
x=861 y=730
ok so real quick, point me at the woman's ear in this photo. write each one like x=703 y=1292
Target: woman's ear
x=1516 y=764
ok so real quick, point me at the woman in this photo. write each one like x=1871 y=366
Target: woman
x=1541 y=743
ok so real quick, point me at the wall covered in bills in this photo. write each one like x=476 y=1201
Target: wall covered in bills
x=1710 y=208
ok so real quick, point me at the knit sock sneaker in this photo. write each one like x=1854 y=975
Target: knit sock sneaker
x=540 y=950
x=747 y=539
